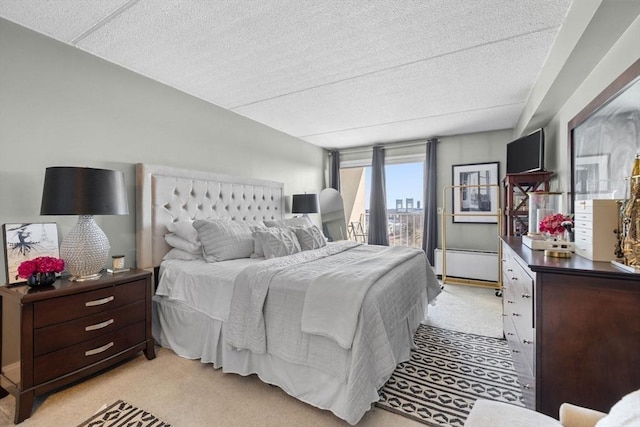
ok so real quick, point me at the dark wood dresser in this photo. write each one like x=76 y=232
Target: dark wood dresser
x=573 y=326
x=56 y=335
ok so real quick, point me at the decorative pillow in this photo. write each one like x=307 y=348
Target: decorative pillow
x=310 y=237
x=299 y=221
x=184 y=230
x=224 y=239
x=625 y=413
x=177 y=242
x=176 y=253
x=277 y=242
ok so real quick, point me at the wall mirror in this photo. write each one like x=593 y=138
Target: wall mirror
x=334 y=224
x=604 y=139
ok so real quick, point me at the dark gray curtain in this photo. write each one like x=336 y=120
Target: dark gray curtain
x=334 y=170
x=430 y=236
x=378 y=225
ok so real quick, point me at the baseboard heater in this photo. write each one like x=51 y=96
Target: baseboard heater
x=469 y=264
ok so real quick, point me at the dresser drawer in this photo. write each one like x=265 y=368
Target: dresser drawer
x=66 y=360
x=66 y=334
x=63 y=309
x=582 y=216
x=587 y=225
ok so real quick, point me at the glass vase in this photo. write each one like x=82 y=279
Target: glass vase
x=41 y=279
x=542 y=204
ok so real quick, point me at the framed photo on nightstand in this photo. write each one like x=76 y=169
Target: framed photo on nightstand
x=27 y=241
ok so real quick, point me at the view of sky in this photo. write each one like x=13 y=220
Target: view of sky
x=403 y=181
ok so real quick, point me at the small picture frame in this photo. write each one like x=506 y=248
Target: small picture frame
x=27 y=241
x=475 y=191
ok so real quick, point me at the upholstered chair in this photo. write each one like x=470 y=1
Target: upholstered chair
x=487 y=413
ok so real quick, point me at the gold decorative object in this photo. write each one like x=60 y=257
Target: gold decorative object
x=629 y=234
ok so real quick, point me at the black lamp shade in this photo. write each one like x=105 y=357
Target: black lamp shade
x=83 y=191
x=304 y=203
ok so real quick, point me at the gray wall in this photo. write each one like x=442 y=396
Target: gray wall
x=483 y=147
x=60 y=106
x=623 y=53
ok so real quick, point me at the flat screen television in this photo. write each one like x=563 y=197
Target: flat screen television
x=526 y=154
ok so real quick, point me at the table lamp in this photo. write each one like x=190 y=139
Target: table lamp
x=85 y=192
x=304 y=203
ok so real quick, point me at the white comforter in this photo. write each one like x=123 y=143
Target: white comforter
x=268 y=304
x=331 y=300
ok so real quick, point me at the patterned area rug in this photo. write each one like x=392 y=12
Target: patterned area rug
x=120 y=414
x=447 y=373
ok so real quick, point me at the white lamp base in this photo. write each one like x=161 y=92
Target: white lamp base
x=85 y=250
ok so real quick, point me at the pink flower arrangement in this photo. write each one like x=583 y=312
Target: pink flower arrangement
x=555 y=224
x=43 y=264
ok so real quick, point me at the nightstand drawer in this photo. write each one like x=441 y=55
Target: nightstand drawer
x=66 y=360
x=63 y=309
x=51 y=338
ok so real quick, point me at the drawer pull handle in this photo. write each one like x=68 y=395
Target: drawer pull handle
x=508 y=269
x=99 y=349
x=510 y=333
x=527 y=387
x=516 y=314
x=527 y=342
x=526 y=296
x=509 y=302
x=515 y=351
x=98 y=325
x=514 y=278
x=98 y=301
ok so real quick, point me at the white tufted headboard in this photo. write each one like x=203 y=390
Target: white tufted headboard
x=165 y=194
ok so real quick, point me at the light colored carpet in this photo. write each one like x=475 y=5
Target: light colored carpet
x=468 y=309
x=187 y=393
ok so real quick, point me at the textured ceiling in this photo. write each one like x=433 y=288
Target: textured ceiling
x=335 y=73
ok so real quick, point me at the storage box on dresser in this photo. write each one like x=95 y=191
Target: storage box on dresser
x=595 y=223
x=586 y=328
x=59 y=334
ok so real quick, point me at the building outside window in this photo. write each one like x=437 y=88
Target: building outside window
x=404 y=190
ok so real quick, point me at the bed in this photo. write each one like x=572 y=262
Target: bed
x=290 y=319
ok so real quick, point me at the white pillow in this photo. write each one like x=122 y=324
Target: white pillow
x=184 y=230
x=277 y=242
x=177 y=242
x=299 y=221
x=625 y=413
x=224 y=239
x=310 y=237
x=176 y=253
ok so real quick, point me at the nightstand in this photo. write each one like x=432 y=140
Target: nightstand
x=59 y=334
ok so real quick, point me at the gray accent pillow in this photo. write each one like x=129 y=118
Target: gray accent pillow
x=277 y=242
x=224 y=239
x=310 y=237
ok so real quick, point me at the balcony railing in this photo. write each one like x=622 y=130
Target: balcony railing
x=405 y=229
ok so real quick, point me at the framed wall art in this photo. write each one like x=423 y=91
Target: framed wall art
x=475 y=191
x=27 y=241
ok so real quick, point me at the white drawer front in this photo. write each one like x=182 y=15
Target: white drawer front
x=583 y=232
x=584 y=251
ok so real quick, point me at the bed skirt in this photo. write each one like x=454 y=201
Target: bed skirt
x=194 y=335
